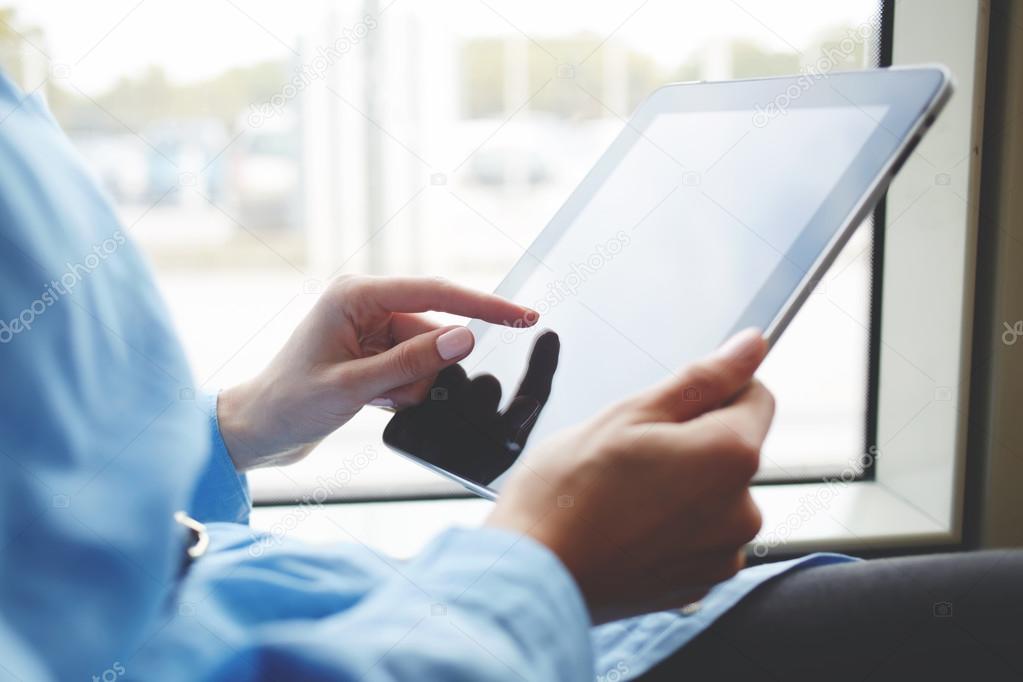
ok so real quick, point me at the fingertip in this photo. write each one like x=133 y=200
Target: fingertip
x=384 y=405
x=746 y=346
x=526 y=317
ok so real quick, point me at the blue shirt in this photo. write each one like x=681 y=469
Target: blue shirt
x=103 y=438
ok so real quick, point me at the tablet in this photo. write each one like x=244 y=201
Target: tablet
x=718 y=207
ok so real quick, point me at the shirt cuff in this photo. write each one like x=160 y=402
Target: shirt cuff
x=221 y=494
x=520 y=585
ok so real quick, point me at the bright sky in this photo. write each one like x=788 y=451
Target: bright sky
x=105 y=39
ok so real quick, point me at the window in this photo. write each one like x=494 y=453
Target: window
x=257 y=150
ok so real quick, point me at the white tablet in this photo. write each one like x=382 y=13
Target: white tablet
x=718 y=207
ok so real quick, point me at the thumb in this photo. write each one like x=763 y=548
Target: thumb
x=710 y=382
x=420 y=357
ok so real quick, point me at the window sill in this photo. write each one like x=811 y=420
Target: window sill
x=805 y=517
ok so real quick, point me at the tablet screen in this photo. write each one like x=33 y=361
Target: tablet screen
x=703 y=223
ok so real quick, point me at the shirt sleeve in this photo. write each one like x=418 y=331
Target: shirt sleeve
x=19 y=662
x=481 y=604
x=221 y=494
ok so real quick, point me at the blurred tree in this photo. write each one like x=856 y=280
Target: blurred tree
x=843 y=47
x=572 y=69
x=690 y=70
x=566 y=75
x=151 y=97
x=579 y=88
x=750 y=60
x=482 y=78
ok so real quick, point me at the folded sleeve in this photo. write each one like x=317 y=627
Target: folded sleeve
x=221 y=494
x=480 y=605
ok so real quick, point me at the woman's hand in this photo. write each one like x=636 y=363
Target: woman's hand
x=362 y=343
x=648 y=504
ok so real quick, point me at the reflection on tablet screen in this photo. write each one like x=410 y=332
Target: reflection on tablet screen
x=461 y=426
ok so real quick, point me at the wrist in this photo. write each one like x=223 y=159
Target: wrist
x=254 y=432
x=532 y=524
x=237 y=426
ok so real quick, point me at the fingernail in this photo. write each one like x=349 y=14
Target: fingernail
x=454 y=343
x=381 y=402
x=740 y=347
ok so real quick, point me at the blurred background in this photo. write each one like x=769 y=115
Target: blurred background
x=257 y=149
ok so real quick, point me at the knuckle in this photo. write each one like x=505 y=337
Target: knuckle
x=615 y=445
x=749 y=520
x=766 y=394
x=699 y=375
x=442 y=283
x=618 y=414
x=619 y=447
x=748 y=460
x=407 y=363
x=346 y=284
x=742 y=455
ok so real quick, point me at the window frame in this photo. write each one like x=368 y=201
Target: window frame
x=884 y=506
x=913 y=496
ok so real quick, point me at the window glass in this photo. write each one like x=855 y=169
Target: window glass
x=257 y=150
